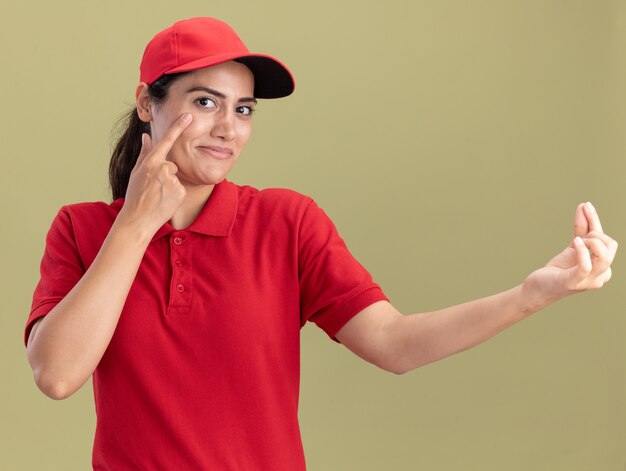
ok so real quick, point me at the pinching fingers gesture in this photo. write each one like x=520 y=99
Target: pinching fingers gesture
x=585 y=264
x=595 y=250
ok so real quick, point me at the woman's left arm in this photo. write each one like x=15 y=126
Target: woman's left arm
x=383 y=336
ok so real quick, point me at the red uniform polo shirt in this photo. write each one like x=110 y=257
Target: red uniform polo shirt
x=203 y=370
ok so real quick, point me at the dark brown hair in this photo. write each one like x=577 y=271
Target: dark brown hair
x=128 y=146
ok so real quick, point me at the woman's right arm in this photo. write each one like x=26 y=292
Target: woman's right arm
x=65 y=346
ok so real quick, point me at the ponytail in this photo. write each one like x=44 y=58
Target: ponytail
x=126 y=152
x=128 y=146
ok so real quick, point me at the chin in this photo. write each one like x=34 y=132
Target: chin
x=206 y=180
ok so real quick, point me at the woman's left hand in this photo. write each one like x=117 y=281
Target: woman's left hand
x=584 y=264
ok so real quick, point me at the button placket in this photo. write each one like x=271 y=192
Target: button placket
x=181 y=280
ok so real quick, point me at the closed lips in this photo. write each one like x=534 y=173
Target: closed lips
x=217 y=152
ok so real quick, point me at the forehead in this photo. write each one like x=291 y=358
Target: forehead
x=230 y=78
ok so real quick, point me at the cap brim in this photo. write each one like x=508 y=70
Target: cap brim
x=271 y=78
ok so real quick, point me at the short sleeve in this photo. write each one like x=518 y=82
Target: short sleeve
x=61 y=268
x=334 y=286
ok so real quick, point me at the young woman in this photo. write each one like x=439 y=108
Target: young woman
x=184 y=297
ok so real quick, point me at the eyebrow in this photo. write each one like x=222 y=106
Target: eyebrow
x=220 y=94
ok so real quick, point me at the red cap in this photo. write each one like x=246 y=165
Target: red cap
x=202 y=42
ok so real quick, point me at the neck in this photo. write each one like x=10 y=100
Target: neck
x=194 y=201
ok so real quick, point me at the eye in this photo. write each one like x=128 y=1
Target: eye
x=205 y=102
x=245 y=110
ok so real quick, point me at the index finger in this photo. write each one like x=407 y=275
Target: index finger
x=161 y=150
x=592 y=218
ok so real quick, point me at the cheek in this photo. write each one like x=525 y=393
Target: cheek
x=192 y=134
x=156 y=131
x=159 y=126
x=200 y=125
x=166 y=116
x=244 y=132
x=199 y=128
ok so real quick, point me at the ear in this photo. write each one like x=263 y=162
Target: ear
x=143 y=103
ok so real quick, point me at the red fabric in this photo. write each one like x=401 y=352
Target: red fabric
x=203 y=369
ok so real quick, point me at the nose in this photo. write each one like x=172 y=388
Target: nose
x=224 y=125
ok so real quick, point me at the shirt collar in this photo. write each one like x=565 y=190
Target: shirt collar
x=217 y=217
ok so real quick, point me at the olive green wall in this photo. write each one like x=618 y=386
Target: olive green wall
x=450 y=141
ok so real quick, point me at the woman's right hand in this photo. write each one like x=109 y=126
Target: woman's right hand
x=154 y=191
x=66 y=345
